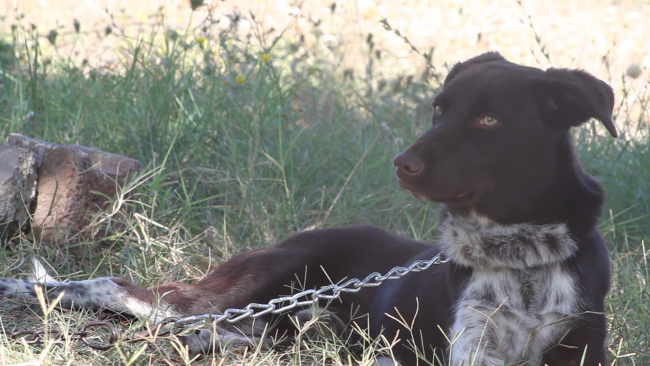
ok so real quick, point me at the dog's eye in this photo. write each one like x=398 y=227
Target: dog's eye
x=488 y=121
x=438 y=110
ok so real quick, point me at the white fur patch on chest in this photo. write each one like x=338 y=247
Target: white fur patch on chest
x=519 y=299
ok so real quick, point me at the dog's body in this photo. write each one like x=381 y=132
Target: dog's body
x=528 y=273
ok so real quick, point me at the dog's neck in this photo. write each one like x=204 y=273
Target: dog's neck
x=477 y=242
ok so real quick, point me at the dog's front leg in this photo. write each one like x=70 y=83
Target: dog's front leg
x=121 y=296
x=469 y=348
x=101 y=293
x=481 y=337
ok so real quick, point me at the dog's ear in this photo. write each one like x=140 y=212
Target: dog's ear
x=572 y=97
x=459 y=67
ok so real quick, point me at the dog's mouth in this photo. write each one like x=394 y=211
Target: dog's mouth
x=458 y=199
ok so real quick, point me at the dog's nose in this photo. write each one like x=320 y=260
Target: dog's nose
x=408 y=166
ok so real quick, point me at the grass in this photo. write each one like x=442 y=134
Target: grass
x=250 y=136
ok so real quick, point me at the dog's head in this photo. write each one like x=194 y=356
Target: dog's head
x=498 y=133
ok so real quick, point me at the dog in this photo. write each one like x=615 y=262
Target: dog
x=528 y=271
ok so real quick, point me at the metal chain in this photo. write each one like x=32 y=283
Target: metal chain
x=83 y=334
x=303 y=298
x=253 y=310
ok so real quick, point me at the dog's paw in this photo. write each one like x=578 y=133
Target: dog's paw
x=198 y=342
x=11 y=288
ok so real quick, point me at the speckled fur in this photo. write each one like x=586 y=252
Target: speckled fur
x=99 y=293
x=519 y=299
x=477 y=242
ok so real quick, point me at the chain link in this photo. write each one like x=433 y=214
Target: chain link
x=278 y=305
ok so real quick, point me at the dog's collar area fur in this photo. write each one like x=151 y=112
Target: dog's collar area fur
x=478 y=242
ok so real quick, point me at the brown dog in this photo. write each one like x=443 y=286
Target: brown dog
x=528 y=273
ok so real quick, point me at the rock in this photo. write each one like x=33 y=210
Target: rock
x=72 y=181
x=17 y=189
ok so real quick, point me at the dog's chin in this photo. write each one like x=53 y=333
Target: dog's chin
x=419 y=196
x=464 y=199
x=460 y=199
